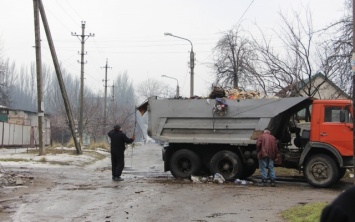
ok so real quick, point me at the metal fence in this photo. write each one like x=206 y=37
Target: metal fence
x=14 y=135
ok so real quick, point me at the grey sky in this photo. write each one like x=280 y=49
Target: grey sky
x=130 y=34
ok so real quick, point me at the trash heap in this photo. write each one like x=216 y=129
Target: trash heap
x=219 y=92
x=239 y=94
x=217 y=178
x=13 y=179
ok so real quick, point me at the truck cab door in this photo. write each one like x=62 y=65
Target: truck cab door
x=335 y=132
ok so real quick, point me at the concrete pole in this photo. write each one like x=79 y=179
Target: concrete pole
x=59 y=76
x=82 y=82
x=40 y=107
x=192 y=62
x=82 y=39
x=105 y=103
x=192 y=66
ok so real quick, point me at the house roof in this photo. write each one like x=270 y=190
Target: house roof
x=296 y=87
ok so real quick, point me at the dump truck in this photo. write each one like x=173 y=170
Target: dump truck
x=209 y=136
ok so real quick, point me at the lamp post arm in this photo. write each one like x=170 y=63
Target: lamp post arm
x=192 y=62
x=177 y=84
x=184 y=39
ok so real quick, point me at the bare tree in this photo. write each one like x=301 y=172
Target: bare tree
x=7 y=81
x=289 y=72
x=235 y=61
x=340 y=40
x=121 y=108
x=152 y=87
x=24 y=91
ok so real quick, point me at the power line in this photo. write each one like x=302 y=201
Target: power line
x=243 y=14
x=66 y=12
x=74 y=10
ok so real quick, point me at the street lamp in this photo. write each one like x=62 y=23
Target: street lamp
x=192 y=62
x=177 y=85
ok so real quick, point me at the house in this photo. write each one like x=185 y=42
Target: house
x=321 y=88
x=19 y=128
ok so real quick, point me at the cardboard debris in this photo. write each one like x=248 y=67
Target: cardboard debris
x=219 y=92
x=239 y=94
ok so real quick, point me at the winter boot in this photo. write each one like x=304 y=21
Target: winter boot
x=118 y=179
x=262 y=183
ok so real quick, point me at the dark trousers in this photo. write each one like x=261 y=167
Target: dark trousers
x=117 y=161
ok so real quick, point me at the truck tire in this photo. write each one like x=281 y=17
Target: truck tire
x=185 y=163
x=248 y=171
x=321 y=170
x=226 y=163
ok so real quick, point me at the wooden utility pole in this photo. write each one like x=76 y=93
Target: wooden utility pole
x=105 y=103
x=40 y=106
x=59 y=76
x=82 y=39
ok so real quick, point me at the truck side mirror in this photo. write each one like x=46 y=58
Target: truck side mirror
x=342 y=116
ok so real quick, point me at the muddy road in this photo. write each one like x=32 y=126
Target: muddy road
x=51 y=192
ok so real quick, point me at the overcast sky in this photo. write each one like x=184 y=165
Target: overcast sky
x=130 y=34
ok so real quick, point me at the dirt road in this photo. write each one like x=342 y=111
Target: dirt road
x=76 y=193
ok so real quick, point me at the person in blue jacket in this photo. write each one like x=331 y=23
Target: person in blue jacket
x=118 y=146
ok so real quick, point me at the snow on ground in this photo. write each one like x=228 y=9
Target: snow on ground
x=62 y=155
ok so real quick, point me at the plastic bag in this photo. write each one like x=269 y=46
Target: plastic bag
x=218 y=178
x=241 y=182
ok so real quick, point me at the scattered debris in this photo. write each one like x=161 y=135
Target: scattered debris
x=217 y=92
x=237 y=94
x=242 y=182
x=218 y=178
x=199 y=179
x=12 y=179
x=221 y=106
x=240 y=94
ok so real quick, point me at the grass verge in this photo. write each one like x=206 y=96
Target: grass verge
x=309 y=212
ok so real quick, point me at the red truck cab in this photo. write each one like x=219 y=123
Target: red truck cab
x=328 y=150
x=328 y=127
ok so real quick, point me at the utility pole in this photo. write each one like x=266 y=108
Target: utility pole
x=82 y=39
x=40 y=106
x=113 y=91
x=59 y=76
x=105 y=103
x=192 y=62
x=192 y=66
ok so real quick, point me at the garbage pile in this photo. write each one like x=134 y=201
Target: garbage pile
x=219 y=92
x=13 y=179
x=240 y=94
x=217 y=178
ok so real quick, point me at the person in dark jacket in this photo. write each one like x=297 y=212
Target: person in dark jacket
x=341 y=209
x=267 y=150
x=118 y=146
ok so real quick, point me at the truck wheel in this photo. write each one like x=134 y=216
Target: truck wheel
x=226 y=163
x=321 y=171
x=248 y=171
x=185 y=163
